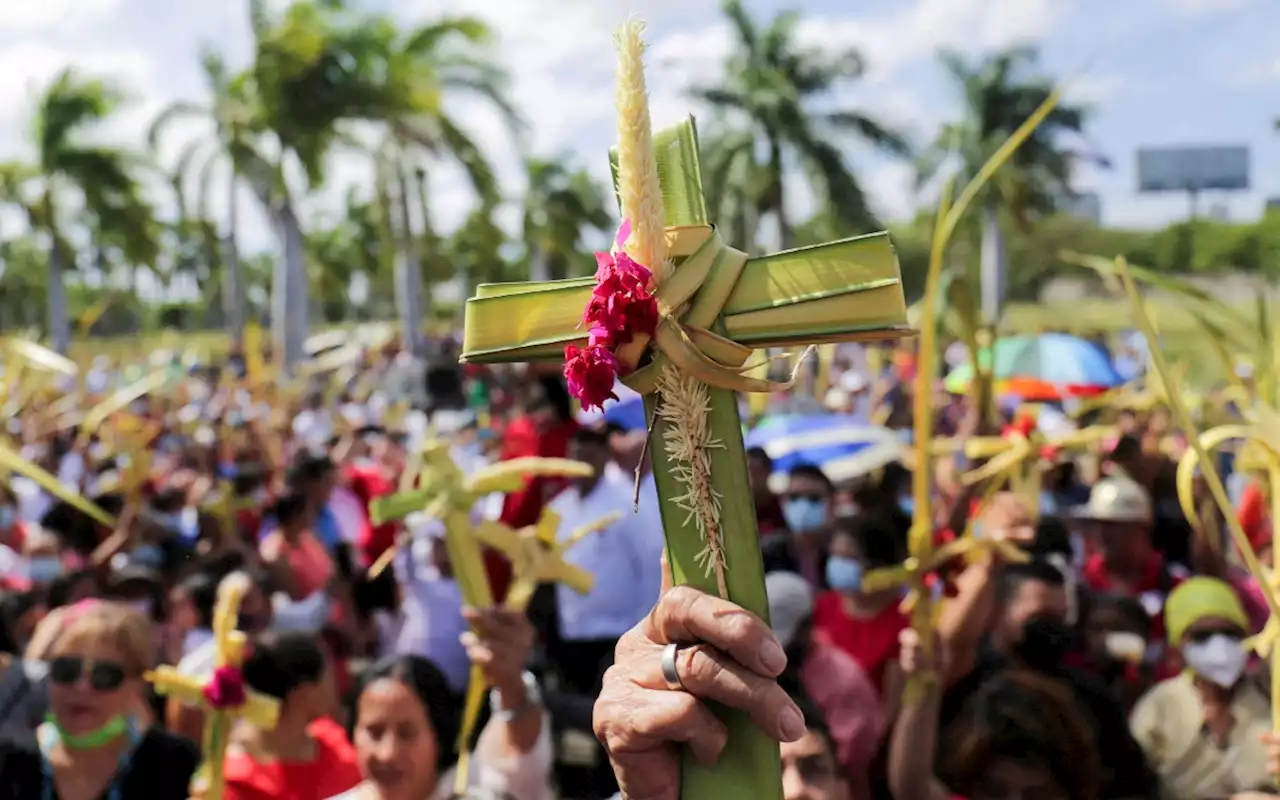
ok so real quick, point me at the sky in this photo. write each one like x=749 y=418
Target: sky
x=1153 y=73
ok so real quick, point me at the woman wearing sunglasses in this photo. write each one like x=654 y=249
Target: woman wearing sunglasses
x=94 y=745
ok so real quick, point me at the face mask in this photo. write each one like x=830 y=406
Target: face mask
x=908 y=505
x=6 y=517
x=1219 y=659
x=804 y=515
x=147 y=555
x=42 y=569
x=1044 y=643
x=844 y=574
x=1048 y=503
x=1125 y=646
x=115 y=727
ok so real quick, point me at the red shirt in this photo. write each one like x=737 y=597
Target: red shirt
x=1254 y=515
x=333 y=770
x=872 y=641
x=521 y=509
x=368 y=481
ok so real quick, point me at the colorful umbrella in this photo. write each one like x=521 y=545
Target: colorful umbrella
x=1046 y=367
x=825 y=440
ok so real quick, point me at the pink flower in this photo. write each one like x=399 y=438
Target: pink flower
x=621 y=303
x=225 y=688
x=590 y=373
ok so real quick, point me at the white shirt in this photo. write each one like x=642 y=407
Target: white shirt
x=625 y=558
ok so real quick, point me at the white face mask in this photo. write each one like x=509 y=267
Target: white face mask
x=1125 y=646
x=1219 y=659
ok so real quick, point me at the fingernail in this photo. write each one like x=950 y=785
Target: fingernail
x=772 y=657
x=791 y=723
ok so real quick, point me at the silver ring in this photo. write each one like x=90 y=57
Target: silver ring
x=669 y=672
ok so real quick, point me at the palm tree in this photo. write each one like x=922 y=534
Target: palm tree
x=559 y=206
x=999 y=95
x=438 y=60
x=768 y=88
x=70 y=176
x=234 y=140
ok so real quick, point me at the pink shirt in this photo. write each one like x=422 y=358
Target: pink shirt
x=850 y=705
x=308 y=561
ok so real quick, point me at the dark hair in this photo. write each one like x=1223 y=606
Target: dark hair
x=815 y=722
x=289 y=508
x=1128 y=607
x=309 y=468
x=880 y=537
x=814 y=472
x=1128 y=447
x=278 y=664
x=428 y=684
x=760 y=454
x=58 y=593
x=12 y=606
x=1027 y=718
x=201 y=588
x=591 y=437
x=1052 y=537
x=1013 y=576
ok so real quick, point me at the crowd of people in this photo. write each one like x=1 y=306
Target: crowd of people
x=1112 y=660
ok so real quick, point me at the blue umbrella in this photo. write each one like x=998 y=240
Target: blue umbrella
x=819 y=439
x=1063 y=360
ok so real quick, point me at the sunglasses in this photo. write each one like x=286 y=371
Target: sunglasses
x=104 y=676
x=1202 y=636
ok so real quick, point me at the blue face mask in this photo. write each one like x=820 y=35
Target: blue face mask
x=804 y=514
x=1048 y=503
x=147 y=555
x=43 y=569
x=6 y=517
x=844 y=574
x=908 y=505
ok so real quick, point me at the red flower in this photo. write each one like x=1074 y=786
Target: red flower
x=225 y=688
x=590 y=373
x=621 y=304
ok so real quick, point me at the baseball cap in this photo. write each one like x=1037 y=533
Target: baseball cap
x=1116 y=499
x=790 y=603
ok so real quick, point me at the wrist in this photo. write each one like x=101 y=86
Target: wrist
x=511 y=699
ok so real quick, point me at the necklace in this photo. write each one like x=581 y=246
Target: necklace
x=52 y=734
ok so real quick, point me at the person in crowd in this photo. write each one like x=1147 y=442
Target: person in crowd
x=300 y=564
x=1203 y=729
x=544 y=429
x=1014 y=617
x=769 y=517
x=314 y=477
x=863 y=624
x=1118 y=647
x=623 y=559
x=405 y=719
x=306 y=756
x=97 y=741
x=1020 y=735
x=430 y=609
x=1118 y=520
x=829 y=677
x=24 y=698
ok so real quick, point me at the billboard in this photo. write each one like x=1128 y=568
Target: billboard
x=1193 y=169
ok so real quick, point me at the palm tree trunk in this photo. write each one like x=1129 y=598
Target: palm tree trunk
x=59 y=319
x=786 y=235
x=233 y=294
x=289 y=291
x=408 y=275
x=428 y=238
x=995 y=270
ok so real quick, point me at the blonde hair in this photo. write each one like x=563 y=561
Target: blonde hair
x=95 y=622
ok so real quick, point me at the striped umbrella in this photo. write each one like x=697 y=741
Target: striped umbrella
x=841 y=445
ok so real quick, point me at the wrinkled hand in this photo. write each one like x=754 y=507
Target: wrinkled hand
x=499 y=642
x=732 y=658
